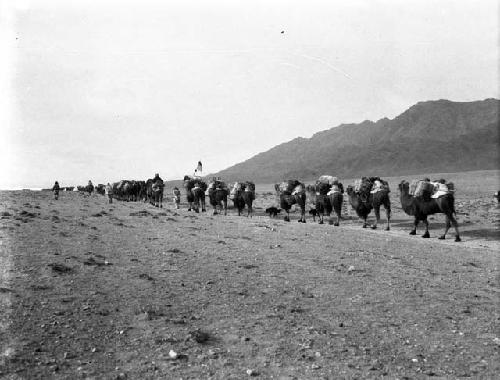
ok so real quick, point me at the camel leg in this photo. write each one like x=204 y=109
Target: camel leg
x=455 y=225
x=365 y=222
x=377 y=217
x=415 y=225
x=203 y=206
x=388 y=216
x=426 y=233
x=448 y=225
x=225 y=207
x=449 y=221
x=320 y=218
x=287 y=216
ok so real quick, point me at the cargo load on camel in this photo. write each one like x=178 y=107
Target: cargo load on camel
x=372 y=185
x=288 y=187
x=328 y=179
x=190 y=182
x=327 y=184
x=426 y=189
x=242 y=186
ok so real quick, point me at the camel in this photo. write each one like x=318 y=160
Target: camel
x=217 y=194
x=294 y=193
x=157 y=189
x=195 y=193
x=328 y=200
x=363 y=204
x=421 y=207
x=243 y=194
x=198 y=199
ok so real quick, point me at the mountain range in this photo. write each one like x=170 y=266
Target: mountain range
x=429 y=137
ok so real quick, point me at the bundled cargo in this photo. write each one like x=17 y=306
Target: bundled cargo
x=236 y=187
x=217 y=184
x=323 y=188
x=288 y=186
x=241 y=186
x=413 y=186
x=327 y=179
x=442 y=187
x=363 y=185
x=190 y=183
x=336 y=188
x=357 y=185
x=424 y=189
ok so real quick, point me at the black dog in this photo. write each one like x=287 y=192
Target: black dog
x=273 y=212
x=314 y=213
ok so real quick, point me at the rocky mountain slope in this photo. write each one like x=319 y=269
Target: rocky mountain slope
x=432 y=136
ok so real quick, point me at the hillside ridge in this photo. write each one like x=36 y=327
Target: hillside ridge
x=438 y=135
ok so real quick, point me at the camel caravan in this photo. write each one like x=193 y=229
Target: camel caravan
x=419 y=199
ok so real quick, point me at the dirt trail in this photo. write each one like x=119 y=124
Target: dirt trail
x=91 y=290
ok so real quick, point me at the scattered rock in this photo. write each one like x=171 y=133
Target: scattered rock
x=252 y=372
x=172 y=354
x=199 y=336
x=61 y=268
x=92 y=261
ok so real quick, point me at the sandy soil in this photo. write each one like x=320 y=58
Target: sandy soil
x=91 y=290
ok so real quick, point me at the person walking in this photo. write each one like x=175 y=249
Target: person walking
x=108 y=190
x=177 y=197
x=55 y=190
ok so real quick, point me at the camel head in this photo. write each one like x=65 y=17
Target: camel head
x=404 y=186
x=350 y=190
x=277 y=187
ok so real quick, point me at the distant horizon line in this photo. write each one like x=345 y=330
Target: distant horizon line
x=37 y=188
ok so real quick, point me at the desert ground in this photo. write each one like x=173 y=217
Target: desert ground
x=93 y=290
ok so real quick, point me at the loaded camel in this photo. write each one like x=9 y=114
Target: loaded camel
x=331 y=201
x=364 y=202
x=290 y=193
x=243 y=194
x=421 y=207
x=217 y=194
x=195 y=193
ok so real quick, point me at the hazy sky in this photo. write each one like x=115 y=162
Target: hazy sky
x=115 y=90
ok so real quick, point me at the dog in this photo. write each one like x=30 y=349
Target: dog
x=314 y=213
x=273 y=211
